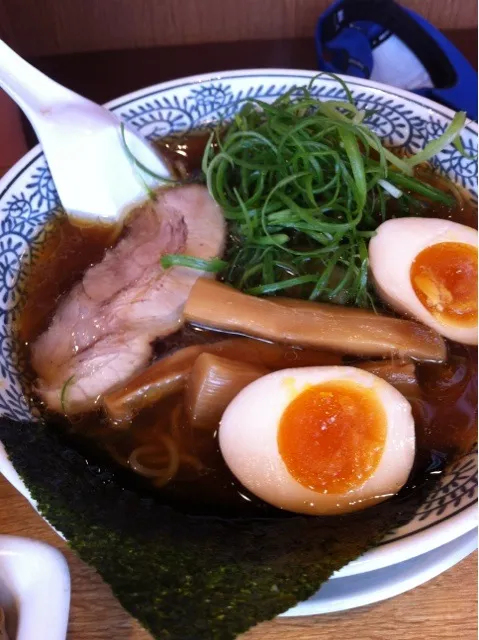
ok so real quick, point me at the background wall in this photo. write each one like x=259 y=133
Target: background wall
x=38 y=27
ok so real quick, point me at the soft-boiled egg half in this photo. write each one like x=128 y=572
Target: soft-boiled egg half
x=427 y=267
x=319 y=440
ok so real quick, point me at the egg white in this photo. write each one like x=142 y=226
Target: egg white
x=248 y=438
x=391 y=254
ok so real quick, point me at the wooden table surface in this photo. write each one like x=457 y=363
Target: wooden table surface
x=444 y=608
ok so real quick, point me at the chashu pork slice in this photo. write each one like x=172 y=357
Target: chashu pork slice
x=102 y=331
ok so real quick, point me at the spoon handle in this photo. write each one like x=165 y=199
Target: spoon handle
x=95 y=177
x=32 y=90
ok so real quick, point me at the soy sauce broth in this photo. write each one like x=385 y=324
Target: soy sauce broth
x=445 y=413
x=66 y=254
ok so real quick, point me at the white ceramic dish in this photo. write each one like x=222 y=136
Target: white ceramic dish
x=34 y=589
x=374 y=586
x=28 y=200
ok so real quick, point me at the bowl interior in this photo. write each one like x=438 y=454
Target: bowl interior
x=29 y=205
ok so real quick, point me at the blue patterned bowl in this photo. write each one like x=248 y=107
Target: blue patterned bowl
x=29 y=203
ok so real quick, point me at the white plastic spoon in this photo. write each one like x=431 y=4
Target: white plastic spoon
x=94 y=176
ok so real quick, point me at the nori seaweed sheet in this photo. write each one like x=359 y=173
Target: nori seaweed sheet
x=187 y=577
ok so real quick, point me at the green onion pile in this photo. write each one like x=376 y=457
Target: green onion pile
x=303 y=185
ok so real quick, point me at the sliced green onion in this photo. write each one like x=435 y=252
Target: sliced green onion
x=275 y=238
x=390 y=188
x=457 y=142
x=151 y=194
x=214 y=265
x=63 y=393
x=134 y=160
x=338 y=79
x=359 y=117
x=280 y=286
x=419 y=187
x=357 y=165
x=436 y=146
x=304 y=184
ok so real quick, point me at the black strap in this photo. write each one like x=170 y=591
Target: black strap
x=392 y=17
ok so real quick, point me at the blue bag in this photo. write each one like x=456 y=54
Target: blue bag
x=382 y=41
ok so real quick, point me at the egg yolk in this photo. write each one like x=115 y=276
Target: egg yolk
x=331 y=436
x=444 y=278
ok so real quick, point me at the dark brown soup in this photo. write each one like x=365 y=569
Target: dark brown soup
x=445 y=410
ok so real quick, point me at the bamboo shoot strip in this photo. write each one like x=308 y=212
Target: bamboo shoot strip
x=169 y=375
x=214 y=381
x=165 y=377
x=310 y=324
x=400 y=374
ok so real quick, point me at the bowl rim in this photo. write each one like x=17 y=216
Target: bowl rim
x=387 y=553
x=305 y=74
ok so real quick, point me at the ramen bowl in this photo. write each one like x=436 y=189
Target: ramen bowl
x=29 y=203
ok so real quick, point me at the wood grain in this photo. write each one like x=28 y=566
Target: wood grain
x=443 y=609
x=43 y=27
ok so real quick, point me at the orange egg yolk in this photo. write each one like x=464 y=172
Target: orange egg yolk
x=444 y=278
x=332 y=435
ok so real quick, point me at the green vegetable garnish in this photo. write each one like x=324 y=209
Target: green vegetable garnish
x=436 y=146
x=139 y=165
x=63 y=393
x=179 y=260
x=421 y=188
x=457 y=142
x=304 y=184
